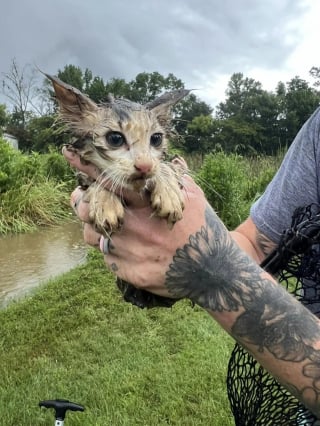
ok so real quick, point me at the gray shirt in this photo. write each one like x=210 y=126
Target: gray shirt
x=296 y=184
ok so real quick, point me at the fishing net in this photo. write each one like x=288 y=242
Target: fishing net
x=256 y=398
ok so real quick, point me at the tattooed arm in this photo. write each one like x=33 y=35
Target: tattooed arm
x=281 y=334
x=251 y=240
x=199 y=259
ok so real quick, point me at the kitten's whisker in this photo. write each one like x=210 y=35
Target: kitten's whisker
x=205 y=184
x=115 y=182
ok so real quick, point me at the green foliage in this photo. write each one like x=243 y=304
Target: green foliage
x=97 y=90
x=3 y=116
x=146 y=86
x=231 y=183
x=16 y=168
x=186 y=110
x=240 y=93
x=223 y=179
x=54 y=166
x=46 y=132
x=118 y=87
x=200 y=134
x=261 y=170
x=298 y=101
x=248 y=118
x=315 y=73
x=34 y=189
x=31 y=205
x=263 y=121
x=72 y=75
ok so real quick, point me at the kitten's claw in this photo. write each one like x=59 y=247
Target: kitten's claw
x=106 y=210
x=106 y=219
x=169 y=207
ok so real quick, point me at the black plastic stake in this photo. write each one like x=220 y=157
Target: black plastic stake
x=61 y=406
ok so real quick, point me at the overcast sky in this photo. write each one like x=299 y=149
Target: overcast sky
x=203 y=42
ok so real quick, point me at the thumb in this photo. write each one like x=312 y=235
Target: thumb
x=132 y=198
x=75 y=161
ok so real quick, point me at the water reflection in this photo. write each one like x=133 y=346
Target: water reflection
x=28 y=259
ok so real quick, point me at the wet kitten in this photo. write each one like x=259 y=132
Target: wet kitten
x=127 y=142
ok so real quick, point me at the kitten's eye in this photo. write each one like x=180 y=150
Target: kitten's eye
x=156 y=139
x=115 y=139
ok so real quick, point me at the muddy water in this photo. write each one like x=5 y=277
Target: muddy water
x=29 y=259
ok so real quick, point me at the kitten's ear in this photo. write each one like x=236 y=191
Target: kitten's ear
x=161 y=106
x=74 y=105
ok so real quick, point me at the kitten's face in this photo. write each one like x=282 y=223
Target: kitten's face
x=125 y=140
x=128 y=141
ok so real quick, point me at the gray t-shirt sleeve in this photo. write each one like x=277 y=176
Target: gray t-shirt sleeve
x=296 y=183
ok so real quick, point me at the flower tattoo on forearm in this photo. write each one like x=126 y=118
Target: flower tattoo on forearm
x=213 y=272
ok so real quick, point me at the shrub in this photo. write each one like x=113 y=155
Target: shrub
x=223 y=179
x=232 y=183
x=54 y=166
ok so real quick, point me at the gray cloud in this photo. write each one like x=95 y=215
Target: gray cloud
x=196 y=40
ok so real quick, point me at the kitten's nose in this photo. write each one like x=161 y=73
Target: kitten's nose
x=143 y=166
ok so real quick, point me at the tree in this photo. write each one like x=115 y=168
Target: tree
x=238 y=136
x=3 y=116
x=44 y=133
x=186 y=110
x=97 y=90
x=298 y=102
x=146 y=86
x=72 y=75
x=248 y=117
x=19 y=87
x=189 y=115
x=118 y=87
x=87 y=78
x=200 y=134
x=241 y=94
x=315 y=73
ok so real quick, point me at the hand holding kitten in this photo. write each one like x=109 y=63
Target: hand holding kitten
x=143 y=248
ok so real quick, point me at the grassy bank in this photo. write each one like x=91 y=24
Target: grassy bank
x=34 y=189
x=76 y=339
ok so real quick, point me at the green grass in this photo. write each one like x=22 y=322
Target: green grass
x=75 y=338
x=25 y=208
x=34 y=189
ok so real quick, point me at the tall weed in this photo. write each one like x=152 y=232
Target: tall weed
x=232 y=183
x=31 y=205
x=223 y=179
x=54 y=166
x=34 y=189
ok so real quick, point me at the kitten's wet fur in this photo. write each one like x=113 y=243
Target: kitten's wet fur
x=128 y=143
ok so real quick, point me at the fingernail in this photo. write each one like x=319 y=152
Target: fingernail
x=75 y=204
x=101 y=245
x=76 y=201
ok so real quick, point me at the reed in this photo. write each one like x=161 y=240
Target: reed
x=232 y=183
x=34 y=190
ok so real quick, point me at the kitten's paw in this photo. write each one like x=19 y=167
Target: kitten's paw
x=168 y=204
x=107 y=212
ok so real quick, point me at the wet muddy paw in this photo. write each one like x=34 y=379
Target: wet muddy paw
x=169 y=205
x=106 y=211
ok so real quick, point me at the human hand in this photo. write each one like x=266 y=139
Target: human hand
x=141 y=252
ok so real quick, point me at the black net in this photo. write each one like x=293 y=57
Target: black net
x=256 y=398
